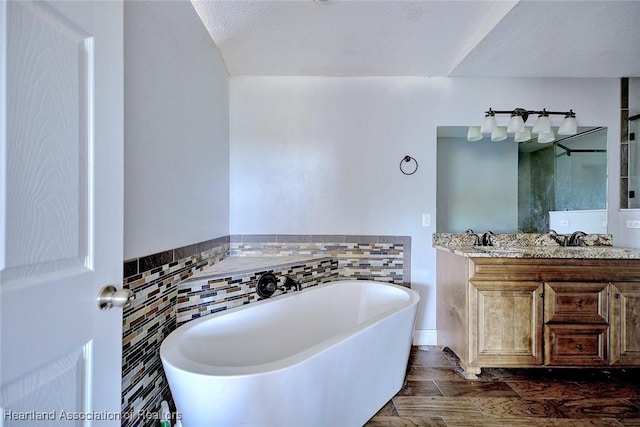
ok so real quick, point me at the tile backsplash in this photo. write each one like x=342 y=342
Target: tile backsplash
x=209 y=294
x=171 y=288
x=383 y=258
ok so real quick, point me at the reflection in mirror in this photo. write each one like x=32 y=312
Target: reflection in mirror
x=634 y=164
x=525 y=187
x=563 y=186
x=633 y=148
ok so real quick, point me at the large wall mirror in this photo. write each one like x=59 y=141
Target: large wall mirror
x=525 y=187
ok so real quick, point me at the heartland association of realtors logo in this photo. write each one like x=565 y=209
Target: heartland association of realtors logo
x=57 y=415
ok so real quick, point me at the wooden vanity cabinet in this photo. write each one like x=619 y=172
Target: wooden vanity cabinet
x=505 y=323
x=517 y=312
x=625 y=323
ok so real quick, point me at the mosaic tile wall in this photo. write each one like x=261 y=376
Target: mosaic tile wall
x=200 y=297
x=382 y=258
x=155 y=281
x=151 y=317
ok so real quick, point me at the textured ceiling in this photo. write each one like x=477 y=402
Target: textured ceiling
x=426 y=38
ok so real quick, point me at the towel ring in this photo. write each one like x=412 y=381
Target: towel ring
x=407 y=159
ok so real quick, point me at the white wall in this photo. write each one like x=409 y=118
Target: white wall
x=627 y=236
x=592 y=221
x=176 y=129
x=320 y=155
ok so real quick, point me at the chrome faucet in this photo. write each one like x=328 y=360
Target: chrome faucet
x=486 y=238
x=476 y=241
x=576 y=238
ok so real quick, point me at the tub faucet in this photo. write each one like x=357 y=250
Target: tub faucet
x=476 y=241
x=486 y=238
x=290 y=283
x=576 y=238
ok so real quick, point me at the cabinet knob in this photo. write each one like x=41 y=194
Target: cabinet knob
x=579 y=303
x=579 y=347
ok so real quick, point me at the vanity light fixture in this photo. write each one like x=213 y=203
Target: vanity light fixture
x=516 y=125
x=490 y=123
x=542 y=123
x=500 y=134
x=474 y=133
x=523 y=136
x=546 y=137
x=569 y=125
x=518 y=117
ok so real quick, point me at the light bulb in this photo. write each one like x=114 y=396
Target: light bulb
x=569 y=125
x=516 y=124
x=490 y=123
x=542 y=124
x=474 y=134
x=523 y=136
x=500 y=134
x=546 y=137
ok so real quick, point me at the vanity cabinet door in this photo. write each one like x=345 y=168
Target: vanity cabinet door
x=505 y=323
x=625 y=324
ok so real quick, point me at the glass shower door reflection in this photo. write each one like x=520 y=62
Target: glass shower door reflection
x=634 y=164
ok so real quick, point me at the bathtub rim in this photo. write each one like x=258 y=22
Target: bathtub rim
x=176 y=360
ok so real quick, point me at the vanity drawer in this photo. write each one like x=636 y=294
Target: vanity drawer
x=575 y=344
x=576 y=302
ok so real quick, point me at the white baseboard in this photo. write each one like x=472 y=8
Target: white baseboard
x=425 y=337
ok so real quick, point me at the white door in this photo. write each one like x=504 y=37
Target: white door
x=61 y=178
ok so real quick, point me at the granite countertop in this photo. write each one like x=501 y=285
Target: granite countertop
x=595 y=246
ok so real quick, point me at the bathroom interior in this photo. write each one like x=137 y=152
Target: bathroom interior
x=233 y=149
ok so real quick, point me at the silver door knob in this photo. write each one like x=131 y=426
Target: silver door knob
x=110 y=297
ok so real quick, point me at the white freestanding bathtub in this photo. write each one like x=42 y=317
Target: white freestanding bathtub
x=330 y=355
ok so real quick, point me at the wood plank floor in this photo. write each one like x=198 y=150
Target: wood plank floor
x=435 y=394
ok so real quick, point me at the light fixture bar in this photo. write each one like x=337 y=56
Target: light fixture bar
x=517 y=121
x=522 y=111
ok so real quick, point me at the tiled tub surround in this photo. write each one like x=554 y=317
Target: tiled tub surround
x=151 y=317
x=154 y=280
x=381 y=258
x=232 y=282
